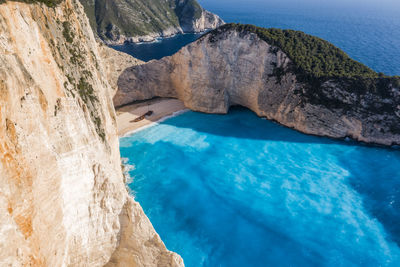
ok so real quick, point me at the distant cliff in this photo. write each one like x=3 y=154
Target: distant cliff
x=63 y=200
x=117 y=21
x=298 y=80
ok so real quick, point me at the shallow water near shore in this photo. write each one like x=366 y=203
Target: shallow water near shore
x=237 y=190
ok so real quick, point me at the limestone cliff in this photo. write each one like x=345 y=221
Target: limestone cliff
x=115 y=63
x=118 y=21
x=63 y=199
x=236 y=66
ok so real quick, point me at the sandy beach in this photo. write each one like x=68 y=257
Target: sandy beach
x=161 y=107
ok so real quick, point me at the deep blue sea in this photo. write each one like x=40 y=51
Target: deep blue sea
x=158 y=49
x=368 y=30
x=237 y=190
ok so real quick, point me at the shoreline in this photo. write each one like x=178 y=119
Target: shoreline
x=150 y=40
x=162 y=108
x=165 y=108
x=177 y=113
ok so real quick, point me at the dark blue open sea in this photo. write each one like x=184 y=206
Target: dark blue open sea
x=157 y=49
x=236 y=190
x=369 y=30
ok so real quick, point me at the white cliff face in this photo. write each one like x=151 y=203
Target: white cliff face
x=120 y=39
x=236 y=68
x=206 y=21
x=208 y=77
x=115 y=63
x=63 y=199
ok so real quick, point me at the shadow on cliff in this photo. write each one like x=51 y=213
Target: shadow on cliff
x=243 y=123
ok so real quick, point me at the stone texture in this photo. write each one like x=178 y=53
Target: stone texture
x=138 y=239
x=63 y=199
x=115 y=63
x=233 y=68
x=119 y=21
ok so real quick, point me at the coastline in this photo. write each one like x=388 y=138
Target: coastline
x=163 y=108
x=149 y=39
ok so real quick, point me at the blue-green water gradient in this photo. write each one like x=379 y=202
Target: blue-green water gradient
x=236 y=190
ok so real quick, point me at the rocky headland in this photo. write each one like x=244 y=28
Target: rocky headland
x=298 y=80
x=121 y=21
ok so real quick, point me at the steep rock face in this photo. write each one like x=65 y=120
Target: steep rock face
x=193 y=18
x=144 y=20
x=238 y=68
x=115 y=63
x=63 y=199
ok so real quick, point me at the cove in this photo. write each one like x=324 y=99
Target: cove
x=237 y=190
x=158 y=49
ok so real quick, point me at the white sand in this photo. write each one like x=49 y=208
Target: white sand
x=161 y=107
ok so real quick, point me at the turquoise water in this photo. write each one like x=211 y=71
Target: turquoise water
x=236 y=190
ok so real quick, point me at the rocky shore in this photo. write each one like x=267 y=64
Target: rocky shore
x=234 y=66
x=136 y=21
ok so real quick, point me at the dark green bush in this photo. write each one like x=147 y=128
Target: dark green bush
x=67 y=33
x=50 y=3
x=316 y=61
x=310 y=54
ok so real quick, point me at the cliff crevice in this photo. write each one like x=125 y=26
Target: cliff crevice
x=62 y=191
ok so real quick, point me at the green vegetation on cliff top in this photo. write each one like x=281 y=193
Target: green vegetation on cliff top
x=50 y=3
x=316 y=61
x=111 y=18
x=309 y=54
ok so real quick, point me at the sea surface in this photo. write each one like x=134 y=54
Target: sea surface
x=158 y=49
x=367 y=30
x=236 y=190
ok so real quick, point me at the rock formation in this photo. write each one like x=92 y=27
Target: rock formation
x=63 y=199
x=236 y=66
x=115 y=63
x=116 y=22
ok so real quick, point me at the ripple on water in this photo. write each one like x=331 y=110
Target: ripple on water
x=236 y=190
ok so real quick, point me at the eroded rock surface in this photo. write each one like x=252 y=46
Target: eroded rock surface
x=115 y=63
x=229 y=68
x=63 y=199
x=119 y=21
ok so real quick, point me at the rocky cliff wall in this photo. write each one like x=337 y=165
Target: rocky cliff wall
x=63 y=199
x=115 y=63
x=238 y=68
x=121 y=21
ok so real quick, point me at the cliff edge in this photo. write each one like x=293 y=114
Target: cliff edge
x=63 y=199
x=298 y=80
